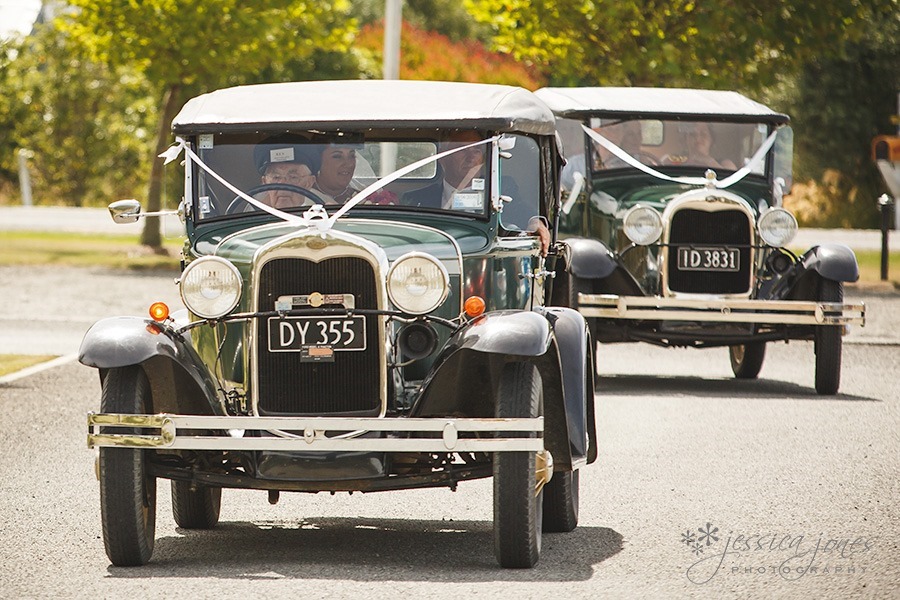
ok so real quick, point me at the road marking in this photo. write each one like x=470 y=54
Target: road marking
x=50 y=364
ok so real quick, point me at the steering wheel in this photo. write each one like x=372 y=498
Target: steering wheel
x=235 y=205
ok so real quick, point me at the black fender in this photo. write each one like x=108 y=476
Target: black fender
x=590 y=259
x=180 y=381
x=832 y=261
x=463 y=380
x=572 y=342
x=599 y=269
x=836 y=262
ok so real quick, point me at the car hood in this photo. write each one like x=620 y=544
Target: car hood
x=394 y=238
x=654 y=195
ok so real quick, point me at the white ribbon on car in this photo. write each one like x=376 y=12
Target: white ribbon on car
x=753 y=163
x=315 y=216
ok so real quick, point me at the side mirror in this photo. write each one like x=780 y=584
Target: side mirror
x=507 y=142
x=125 y=211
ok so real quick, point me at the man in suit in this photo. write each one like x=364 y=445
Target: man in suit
x=461 y=184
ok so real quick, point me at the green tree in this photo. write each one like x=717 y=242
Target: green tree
x=87 y=126
x=743 y=45
x=840 y=103
x=190 y=46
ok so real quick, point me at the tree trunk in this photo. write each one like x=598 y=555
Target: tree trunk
x=150 y=235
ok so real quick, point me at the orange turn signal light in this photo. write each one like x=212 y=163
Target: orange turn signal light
x=159 y=311
x=474 y=306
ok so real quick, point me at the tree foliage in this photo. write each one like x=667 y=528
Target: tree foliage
x=195 y=45
x=87 y=127
x=840 y=103
x=432 y=56
x=737 y=45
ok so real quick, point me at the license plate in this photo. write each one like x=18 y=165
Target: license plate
x=300 y=334
x=712 y=258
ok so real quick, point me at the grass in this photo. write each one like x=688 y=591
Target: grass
x=84 y=250
x=10 y=363
x=870 y=266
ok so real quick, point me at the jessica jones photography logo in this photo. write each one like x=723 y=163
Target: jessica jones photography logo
x=717 y=553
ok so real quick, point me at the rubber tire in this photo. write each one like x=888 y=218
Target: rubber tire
x=829 y=343
x=197 y=508
x=747 y=359
x=561 y=502
x=127 y=490
x=517 y=508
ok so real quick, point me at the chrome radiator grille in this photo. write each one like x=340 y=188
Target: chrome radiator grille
x=350 y=384
x=698 y=228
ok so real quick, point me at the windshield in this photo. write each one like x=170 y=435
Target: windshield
x=657 y=143
x=293 y=171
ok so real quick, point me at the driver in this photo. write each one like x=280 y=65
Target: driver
x=281 y=160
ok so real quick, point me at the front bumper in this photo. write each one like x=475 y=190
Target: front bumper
x=190 y=432
x=771 y=312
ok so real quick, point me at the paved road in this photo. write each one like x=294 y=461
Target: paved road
x=684 y=450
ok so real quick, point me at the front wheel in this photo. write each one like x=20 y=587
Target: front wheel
x=747 y=359
x=517 y=503
x=127 y=489
x=829 y=343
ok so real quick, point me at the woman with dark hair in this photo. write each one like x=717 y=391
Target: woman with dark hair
x=699 y=142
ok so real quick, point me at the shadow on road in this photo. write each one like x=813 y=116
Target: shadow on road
x=368 y=550
x=683 y=385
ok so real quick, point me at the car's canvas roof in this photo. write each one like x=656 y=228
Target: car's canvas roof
x=678 y=103
x=364 y=104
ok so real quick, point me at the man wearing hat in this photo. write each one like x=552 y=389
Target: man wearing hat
x=285 y=159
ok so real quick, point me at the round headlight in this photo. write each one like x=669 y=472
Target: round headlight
x=210 y=287
x=642 y=225
x=777 y=227
x=417 y=283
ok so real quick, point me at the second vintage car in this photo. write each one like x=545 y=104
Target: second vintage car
x=675 y=230
x=364 y=281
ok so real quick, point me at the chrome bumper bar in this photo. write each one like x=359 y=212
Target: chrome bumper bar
x=179 y=432
x=791 y=312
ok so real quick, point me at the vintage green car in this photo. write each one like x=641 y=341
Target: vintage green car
x=675 y=231
x=364 y=275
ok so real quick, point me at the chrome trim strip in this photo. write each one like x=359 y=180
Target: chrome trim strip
x=608 y=306
x=174 y=433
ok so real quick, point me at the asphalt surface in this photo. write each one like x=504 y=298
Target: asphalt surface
x=684 y=449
